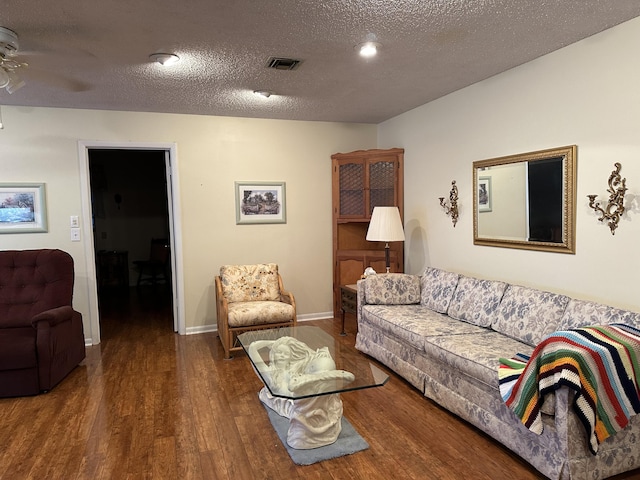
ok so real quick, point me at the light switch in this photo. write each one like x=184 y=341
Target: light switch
x=75 y=222
x=75 y=234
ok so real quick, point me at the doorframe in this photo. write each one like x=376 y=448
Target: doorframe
x=175 y=228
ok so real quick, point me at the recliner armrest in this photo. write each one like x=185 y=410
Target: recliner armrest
x=54 y=316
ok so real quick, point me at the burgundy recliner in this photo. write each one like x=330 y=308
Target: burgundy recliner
x=41 y=335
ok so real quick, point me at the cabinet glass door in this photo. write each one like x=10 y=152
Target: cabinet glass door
x=352 y=201
x=382 y=176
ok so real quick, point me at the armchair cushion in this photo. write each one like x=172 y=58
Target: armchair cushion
x=243 y=314
x=250 y=283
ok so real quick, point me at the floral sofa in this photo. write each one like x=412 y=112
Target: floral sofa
x=445 y=333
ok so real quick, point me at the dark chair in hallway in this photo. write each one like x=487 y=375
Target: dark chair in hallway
x=155 y=269
x=41 y=335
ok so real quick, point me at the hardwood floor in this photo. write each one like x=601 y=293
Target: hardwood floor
x=148 y=403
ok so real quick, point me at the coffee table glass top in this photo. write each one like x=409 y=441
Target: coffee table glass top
x=305 y=361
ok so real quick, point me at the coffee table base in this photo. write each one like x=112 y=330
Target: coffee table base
x=313 y=422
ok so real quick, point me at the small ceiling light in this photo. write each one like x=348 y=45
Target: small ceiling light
x=368 y=49
x=165 y=59
x=263 y=93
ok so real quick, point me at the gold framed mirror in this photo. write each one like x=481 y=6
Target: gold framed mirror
x=526 y=201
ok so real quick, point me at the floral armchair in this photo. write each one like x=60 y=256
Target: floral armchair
x=251 y=297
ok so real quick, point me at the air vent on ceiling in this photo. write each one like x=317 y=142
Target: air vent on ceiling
x=280 y=63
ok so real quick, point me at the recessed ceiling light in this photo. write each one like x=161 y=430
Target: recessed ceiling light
x=165 y=59
x=368 y=49
x=263 y=93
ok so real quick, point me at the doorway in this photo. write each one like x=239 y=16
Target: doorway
x=129 y=202
x=129 y=198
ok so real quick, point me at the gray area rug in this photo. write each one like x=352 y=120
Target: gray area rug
x=349 y=441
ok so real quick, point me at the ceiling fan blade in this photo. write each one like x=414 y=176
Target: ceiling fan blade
x=4 y=77
x=55 y=80
x=15 y=83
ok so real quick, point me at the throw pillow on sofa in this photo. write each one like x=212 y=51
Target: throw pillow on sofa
x=476 y=301
x=392 y=289
x=437 y=288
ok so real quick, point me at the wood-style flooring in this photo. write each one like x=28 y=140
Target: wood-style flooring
x=151 y=404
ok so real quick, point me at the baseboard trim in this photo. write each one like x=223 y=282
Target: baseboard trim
x=301 y=318
x=201 y=329
x=315 y=316
x=214 y=328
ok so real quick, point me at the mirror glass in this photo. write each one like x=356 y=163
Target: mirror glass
x=526 y=201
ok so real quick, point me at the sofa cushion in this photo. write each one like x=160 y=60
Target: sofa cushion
x=477 y=356
x=412 y=323
x=250 y=283
x=582 y=313
x=392 y=289
x=437 y=287
x=529 y=315
x=476 y=301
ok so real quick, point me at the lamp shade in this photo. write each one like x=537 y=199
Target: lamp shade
x=385 y=225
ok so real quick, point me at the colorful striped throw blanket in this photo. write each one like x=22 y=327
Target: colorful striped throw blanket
x=602 y=365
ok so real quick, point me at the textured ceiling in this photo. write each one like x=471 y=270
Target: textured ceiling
x=94 y=54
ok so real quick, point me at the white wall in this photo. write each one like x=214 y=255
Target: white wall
x=586 y=94
x=41 y=145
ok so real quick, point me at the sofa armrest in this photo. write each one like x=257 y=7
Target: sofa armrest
x=53 y=317
x=360 y=297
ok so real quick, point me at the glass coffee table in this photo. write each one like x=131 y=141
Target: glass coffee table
x=304 y=371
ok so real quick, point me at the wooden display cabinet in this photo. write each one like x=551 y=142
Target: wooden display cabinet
x=363 y=180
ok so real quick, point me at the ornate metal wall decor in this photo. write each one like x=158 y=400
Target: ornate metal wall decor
x=452 y=208
x=615 y=207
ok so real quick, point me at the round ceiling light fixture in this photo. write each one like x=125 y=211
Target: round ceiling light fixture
x=164 y=59
x=368 y=49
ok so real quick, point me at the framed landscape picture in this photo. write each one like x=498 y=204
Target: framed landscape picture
x=260 y=202
x=22 y=208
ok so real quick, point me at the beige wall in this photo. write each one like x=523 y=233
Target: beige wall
x=41 y=145
x=585 y=94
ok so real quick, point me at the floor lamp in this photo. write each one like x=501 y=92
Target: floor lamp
x=385 y=226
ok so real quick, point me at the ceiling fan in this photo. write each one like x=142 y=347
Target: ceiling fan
x=9 y=79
